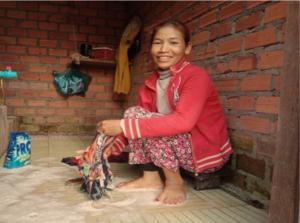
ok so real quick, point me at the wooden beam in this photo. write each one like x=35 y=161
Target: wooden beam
x=284 y=205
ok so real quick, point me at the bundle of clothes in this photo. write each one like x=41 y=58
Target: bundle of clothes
x=94 y=168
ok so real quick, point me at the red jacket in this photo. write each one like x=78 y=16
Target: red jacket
x=196 y=108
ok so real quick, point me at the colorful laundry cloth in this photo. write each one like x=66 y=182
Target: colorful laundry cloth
x=94 y=168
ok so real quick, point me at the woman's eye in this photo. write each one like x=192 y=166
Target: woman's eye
x=156 y=42
x=174 y=42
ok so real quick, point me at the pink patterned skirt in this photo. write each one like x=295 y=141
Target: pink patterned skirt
x=171 y=152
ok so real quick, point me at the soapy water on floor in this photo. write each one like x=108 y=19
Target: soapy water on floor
x=27 y=196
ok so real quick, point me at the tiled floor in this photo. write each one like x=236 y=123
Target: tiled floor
x=37 y=193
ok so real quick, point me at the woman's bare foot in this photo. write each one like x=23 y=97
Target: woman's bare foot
x=149 y=180
x=175 y=189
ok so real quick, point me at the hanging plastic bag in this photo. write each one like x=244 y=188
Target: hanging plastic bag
x=19 y=150
x=72 y=81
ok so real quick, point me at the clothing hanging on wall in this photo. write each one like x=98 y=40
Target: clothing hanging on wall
x=122 y=76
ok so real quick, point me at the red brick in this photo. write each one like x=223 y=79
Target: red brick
x=48 y=26
x=85 y=112
x=191 y=56
x=185 y=16
x=275 y=12
x=252 y=4
x=231 y=10
x=268 y=105
x=68 y=45
x=57 y=104
x=220 y=30
x=226 y=85
x=25 y=111
x=106 y=14
x=200 y=38
x=65 y=111
x=38 y=69
x=59 y=35
x=101 y=39
x=74 y=120
x=87 y=29
x=29 y=77
x=113 y=105
x=230 y=46
x=96 y=88
x=37 y=16
x=98 y=104
x=8 y=93
x=37 y=51
x=16 y=49
x=36 y=103
x=8 y=22
x=17 y=85
x=28 y=41
x=48 y=43
x=273 y=59
x=77 y=20
x=193 y=25
x=115 y=23
x=208 y=18
x=223 y=101
x=48 y=8
x=106 y=31
x=28 y=6
x=278 y=82
x=38 y=86
x=97 y=4
x=7 y=40
x=230 y=121
x=176 y=8
x=48 y=60
x=45 y=111
x=2 y=48
x=8 y=4
x=28 y=24
x=27 y=94
x=98 y=22
x=1 y=31
x=16 y=32
x=242 y=103
x=266 y=148
x=14 y=102
x=243 y=63
x=47 y=77
x=248 y=21
x=214 y=4
x=104 y=96
x=81 y=104
x=255 y=124
x=88 y=12
x=57 y=52
x=219 y=68
x=79 y=37
x=37 y=34
x=105 y=80
x=16 y=14
x=63 y=61
x=67 y=28
x=12 y=58
x=103 y=112
x=241 y=141
x=116 y=6
x=207 y=52
x=48 y=94
x=251 y=165
x=55 y=119
x=256 y=83
x=200 y=8
x=262 y=38
x=18 y=67
x=29 y=59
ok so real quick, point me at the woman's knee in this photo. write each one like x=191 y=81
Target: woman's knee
x=135 y=112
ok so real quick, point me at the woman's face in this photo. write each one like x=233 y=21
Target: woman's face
x=168 y=47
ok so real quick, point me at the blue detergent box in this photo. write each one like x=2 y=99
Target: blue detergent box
x=19 y=150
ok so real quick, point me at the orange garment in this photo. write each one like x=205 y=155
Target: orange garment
x=122 y=76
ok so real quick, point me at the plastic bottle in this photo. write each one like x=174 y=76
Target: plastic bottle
x=8 y=73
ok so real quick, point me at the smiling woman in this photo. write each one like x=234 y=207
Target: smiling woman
x=177 y=123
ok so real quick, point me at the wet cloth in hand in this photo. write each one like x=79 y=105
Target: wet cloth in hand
x=94 y=168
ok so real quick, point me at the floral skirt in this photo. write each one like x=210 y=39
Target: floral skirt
x=171 y=152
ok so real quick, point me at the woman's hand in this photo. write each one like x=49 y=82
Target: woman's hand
x=110 y=127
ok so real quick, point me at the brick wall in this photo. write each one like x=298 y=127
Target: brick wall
x=240 y=44
x=37 y=38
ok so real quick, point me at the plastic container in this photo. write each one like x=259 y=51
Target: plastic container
x=104 y=53
x=8 y=73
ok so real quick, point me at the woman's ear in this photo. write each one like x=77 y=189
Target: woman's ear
x=188 y=48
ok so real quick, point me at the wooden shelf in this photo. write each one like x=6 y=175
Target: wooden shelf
x=89 y=61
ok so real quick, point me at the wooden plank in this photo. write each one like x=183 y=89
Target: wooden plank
x=193 y=217
x=214 y=216
x=160 y=218
x=182 y=217
x=254 y=214
x=223 y=216
x=203 y=216
x=258 y=211
x=234 y=215
x=149 y=218
x=230 y=197
x=3 y=130
x=245 y=215
x=171 y=218
x=284 y=205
